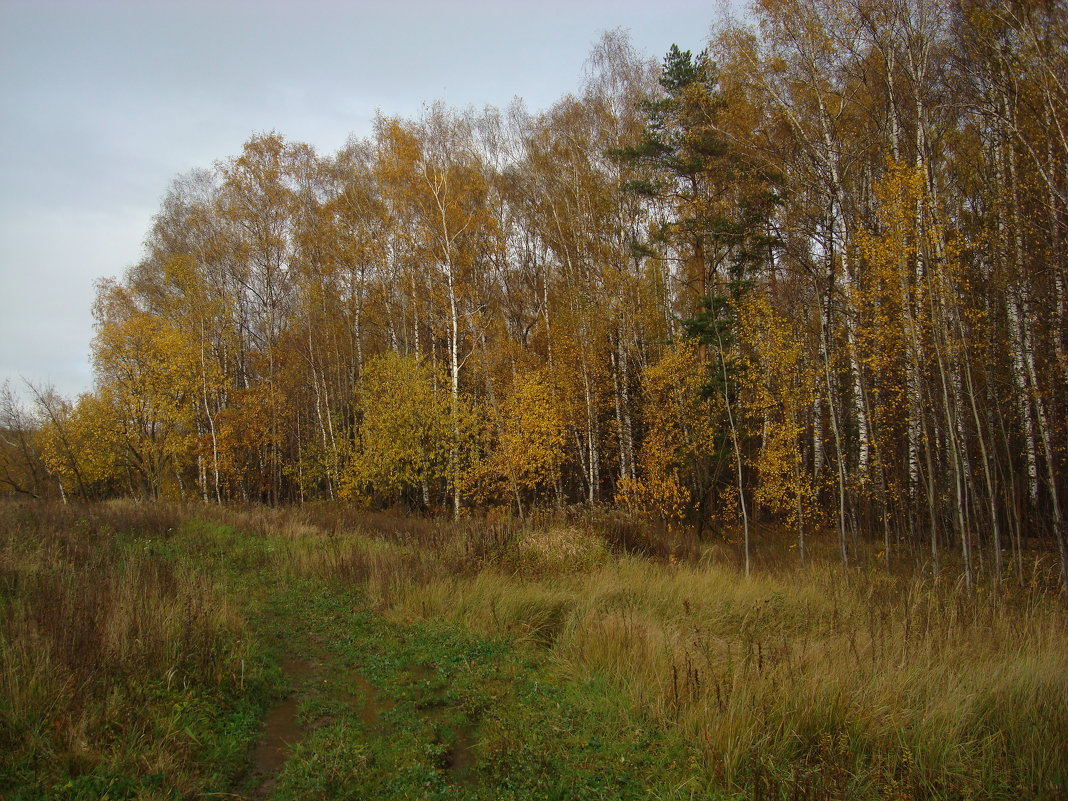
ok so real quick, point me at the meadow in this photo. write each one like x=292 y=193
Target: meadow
x=158 y=651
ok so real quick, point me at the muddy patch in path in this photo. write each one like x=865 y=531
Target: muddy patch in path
x=280 y=733
x=460 y=758
x=368 y=704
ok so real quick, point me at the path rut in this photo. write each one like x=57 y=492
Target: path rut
x=281 y=731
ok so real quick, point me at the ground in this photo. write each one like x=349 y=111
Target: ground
x=163 y=652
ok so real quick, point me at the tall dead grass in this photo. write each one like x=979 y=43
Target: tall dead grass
x=795 y=682
x=802 y=682
x=96 y=624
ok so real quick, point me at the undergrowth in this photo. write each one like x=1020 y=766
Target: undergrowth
x=794 y=682
x=137 y=644
x=125 y=669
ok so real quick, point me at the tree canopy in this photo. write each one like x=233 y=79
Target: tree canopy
x=815 y=273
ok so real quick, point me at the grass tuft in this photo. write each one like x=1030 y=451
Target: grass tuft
x=120 y=663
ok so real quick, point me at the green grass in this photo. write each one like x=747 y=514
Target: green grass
x=142 y=648
x=795 y=681
x=127 y=670
x=430 y=710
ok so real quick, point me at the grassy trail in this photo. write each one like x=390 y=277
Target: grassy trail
x=158 y=654
x=220 y=670
x=387 y=710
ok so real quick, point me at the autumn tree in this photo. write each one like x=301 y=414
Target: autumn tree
x=148 y=371
x=404 y=436
x=532 y=440
x=681 y=457
x=812 y=275
x=21 y=469
x=81 y=445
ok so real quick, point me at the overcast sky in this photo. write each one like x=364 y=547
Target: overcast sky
x=103 y=103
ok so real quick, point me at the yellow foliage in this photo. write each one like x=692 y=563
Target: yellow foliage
x=81 y=444
x=149 y=370
x=680 y=431
x=656 y=493
x=908 y=303
x=777 y=385
x=894 y=322
x=244 y=433
x=533 y=429
x=405 y=434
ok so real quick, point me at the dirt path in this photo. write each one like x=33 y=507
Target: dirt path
x=281 y=731
x=333 y=688
x=394 y=710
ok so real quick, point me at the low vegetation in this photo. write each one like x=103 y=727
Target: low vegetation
x=125 y=668
x=142 y=648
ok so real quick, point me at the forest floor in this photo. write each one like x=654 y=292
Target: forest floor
x=157 y=653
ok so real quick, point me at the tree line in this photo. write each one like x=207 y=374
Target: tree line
x=812 y=277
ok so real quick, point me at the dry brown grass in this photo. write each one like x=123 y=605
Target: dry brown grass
x=96 y=628
x=805 y=681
